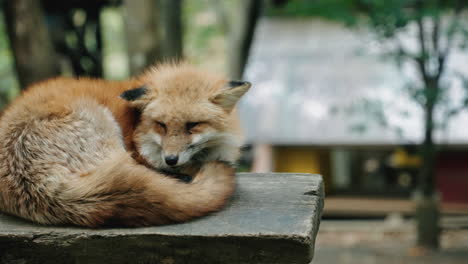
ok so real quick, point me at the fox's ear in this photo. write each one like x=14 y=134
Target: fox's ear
x=229 y=96
x=135 y=96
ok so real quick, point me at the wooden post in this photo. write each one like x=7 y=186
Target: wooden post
x=171 y=28
x=35 y=58
x=240 y=35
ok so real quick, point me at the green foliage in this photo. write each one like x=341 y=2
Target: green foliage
x=384 y=16
x=340 y=10
x=387 y=17
x=205 y=27
x=203 y=34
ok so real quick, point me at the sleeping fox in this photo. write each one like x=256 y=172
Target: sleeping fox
x=96 y=153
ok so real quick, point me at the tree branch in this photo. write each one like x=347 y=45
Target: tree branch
x=436 y=34
x=421 y=60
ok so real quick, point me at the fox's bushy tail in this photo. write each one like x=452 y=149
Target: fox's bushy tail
x=123 y=193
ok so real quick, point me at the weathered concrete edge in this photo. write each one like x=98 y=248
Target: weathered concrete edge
x=78 y=235
x=84 y=249
x=318 y=216
x=319 y=196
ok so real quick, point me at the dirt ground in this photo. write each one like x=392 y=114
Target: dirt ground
x=387 y=242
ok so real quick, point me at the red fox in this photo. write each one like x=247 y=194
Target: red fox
x=90 y=152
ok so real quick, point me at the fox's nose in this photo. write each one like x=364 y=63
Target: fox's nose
x=171 y=160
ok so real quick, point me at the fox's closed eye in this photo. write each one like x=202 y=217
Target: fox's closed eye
x=161 y=124
x=191 y=125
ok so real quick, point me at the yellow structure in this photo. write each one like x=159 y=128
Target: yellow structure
x=300 y=159
x=401 y=159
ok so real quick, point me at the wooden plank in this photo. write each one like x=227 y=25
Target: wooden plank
x=272 y=218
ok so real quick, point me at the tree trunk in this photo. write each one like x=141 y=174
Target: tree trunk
x=143 y=36
x=241 y=34
x=427 y=209
x=35 y=58
x=427 y=218
x=171 y=29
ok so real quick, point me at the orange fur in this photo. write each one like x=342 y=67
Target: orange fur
x=68 y=146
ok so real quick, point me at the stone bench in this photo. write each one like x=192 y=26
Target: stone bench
x=272 y=218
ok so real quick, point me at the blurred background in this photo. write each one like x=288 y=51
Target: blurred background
x=370 y=94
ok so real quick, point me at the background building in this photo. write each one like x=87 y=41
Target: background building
x=323 y=102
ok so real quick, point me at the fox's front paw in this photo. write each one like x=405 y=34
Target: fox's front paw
x=184 y=177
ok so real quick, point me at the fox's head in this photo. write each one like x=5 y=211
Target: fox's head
x=186 y=116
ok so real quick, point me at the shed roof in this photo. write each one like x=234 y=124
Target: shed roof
x=307 y=74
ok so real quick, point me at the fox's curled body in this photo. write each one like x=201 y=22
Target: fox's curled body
x=72 y=150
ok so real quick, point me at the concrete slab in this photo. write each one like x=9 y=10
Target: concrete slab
x=272 y=218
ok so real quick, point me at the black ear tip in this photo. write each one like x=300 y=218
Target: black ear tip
x=233 y=84
x=132 y=95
